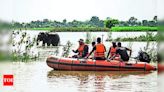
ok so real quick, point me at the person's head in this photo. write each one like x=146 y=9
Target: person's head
x=98 y=40
x=119 y=44
x=114 y=44
x=93 y=44
x=81 y=41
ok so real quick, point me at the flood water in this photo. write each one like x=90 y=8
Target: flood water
x=36 y=76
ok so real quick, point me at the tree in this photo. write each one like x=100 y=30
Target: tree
x=95 y=21
x=45 y=20
x=111 y=23
x=144 y=22
x=18 y=25
x=155 y=18
x=74 y=23
x=123 y=23
x=132 y=21
x=152 y=23
x=64 y=21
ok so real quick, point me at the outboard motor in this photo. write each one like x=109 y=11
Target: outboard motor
x=143 y=57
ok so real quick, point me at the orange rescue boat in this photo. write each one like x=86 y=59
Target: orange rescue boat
x=72 y=64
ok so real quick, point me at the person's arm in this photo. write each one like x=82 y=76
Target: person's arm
x=94 y=48
x=105 y=48
x=108 y=52
x=113 y=57
x=75 y=51
x=130 y=51
x=117 y=52
x=85 y=52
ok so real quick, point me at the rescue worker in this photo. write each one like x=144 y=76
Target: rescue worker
x=99 y=50
x=122 y=51
x=112 y=50
x=94 y=54
x=82 y=50
x=93 y=45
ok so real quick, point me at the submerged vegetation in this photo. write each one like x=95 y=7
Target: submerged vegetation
x=66 y=49
x=16 y=57
x=152 y=51
x=19 y=47
x=88 y=38
x=150 y=36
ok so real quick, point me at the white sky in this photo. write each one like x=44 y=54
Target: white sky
x=27 y=10
x=160 y=9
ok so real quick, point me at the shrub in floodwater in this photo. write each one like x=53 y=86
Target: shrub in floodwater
x=56 y=52
x=66 y=49
x=109 y=36
x=88 y=38
x=17 y=41
x=148 y=37
x=14 y=57
x=130 y=45
x=151 y=51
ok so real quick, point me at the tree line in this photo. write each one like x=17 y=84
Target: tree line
x=94 y=21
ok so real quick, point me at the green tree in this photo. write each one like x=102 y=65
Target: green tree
x=64 y=21
x=109 y=23
x=144 y=22
x=132 y=21
x=45 y=20
x=18 y=25
x=95 y=21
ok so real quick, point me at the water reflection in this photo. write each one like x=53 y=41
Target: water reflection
x=81 y=74
x=99 y=81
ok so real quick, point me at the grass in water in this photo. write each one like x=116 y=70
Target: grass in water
x=134 y=28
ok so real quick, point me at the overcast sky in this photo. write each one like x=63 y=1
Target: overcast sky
x=27 y=10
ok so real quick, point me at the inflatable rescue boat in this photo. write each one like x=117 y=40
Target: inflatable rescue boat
x=73 y=64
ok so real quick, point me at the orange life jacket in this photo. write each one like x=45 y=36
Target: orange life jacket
x=80 y=49
x=100 y=50
x=113 y=51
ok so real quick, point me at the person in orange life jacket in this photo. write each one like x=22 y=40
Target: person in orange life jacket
x=112 y=50
x=99 y=50
x=82 y=50
x=122 y=51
